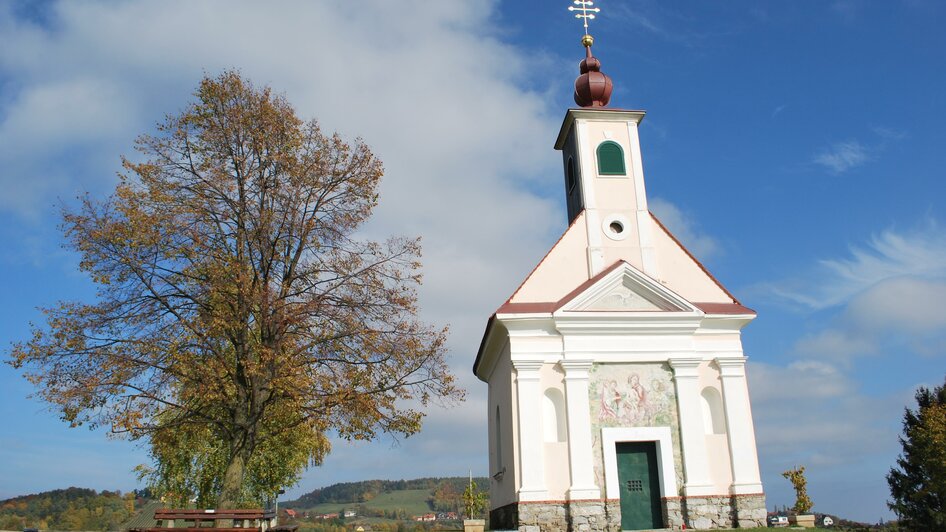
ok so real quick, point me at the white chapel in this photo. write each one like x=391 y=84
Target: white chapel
x=617 y=384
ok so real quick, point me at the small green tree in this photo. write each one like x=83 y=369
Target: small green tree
x=474 y=500
x=918 y=482
x=803 y=503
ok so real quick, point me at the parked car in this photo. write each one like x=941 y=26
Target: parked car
x=778 y=521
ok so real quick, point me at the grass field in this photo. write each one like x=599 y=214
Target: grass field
x=414 y=502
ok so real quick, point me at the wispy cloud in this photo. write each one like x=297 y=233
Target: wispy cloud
x=651 y=18
x=889 y=133
x=848 y=10
x=918 y=253
x=842 y=156
x=900 y=315
x=639 y=19
x=885 y=296
x=684 y=228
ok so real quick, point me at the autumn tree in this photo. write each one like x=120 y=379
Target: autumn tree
x=475 y=500
x=918 y=482
x=239 y=318
x=796 y=476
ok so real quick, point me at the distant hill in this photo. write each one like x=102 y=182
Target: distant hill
x=67 y=509
x=87 y=509
x=389 y=497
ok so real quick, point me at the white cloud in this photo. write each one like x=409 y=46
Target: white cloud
x=918 y=253
x=842 y=156
x=900 y=315
x=684 y=228
x=911 y=305
x=835 y=343
x=885 y=296
x=52 y=121
x=829 y=409
x=812 y=413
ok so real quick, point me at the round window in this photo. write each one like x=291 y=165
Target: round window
x=615 y=227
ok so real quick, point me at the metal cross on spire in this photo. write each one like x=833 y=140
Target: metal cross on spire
x=585 y=10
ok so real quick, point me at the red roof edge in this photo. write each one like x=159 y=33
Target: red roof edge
x=526 y=308
x=724 y=308
x=587 y=284
x=698 y=263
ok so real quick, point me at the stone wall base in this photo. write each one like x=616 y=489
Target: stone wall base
x=750 y=510
x=558 y=516
x=715 y=511
x=701 y=513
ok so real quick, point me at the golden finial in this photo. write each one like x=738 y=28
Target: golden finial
x=586 y=12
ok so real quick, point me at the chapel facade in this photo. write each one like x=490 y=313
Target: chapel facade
x=617 y=387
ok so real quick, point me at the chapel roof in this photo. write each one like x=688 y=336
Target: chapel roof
x=730 y=306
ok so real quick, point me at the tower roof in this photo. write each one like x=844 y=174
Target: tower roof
x=592 y=87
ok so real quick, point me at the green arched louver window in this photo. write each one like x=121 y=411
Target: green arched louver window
x=610 y=159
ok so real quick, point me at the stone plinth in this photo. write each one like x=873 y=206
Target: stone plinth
x=802 y=520
x=474 y=525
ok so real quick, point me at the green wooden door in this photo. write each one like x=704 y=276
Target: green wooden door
x=640 y=485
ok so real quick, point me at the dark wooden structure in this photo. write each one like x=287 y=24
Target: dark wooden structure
x=213 y=521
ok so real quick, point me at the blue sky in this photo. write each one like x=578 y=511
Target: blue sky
x=795 y=147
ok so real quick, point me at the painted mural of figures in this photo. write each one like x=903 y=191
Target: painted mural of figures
x=635 y=402
x=610 y=401
x=637 y=394
x=661 y=401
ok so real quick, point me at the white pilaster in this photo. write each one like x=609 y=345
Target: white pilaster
x=648 y=254
x=531 y=455
x=578 y=409
x=742 y=449
x=692 y=433
x=589 y=172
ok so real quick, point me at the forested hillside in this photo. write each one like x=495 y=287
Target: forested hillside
x=444 y=493
x=68 y=509
x=86 y=509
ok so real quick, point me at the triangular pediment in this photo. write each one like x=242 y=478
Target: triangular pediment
x=626 y=289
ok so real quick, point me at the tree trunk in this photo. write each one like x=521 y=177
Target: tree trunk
x=241 y=450
x=232 y=489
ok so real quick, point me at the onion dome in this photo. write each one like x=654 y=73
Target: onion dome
x=592 y=87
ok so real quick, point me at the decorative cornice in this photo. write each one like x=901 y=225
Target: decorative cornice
x=526 y=368
x=610 y=115
x=685 y=368
x=576 y=369
x=731 y=366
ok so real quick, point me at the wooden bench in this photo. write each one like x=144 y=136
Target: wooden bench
x=207 y=520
